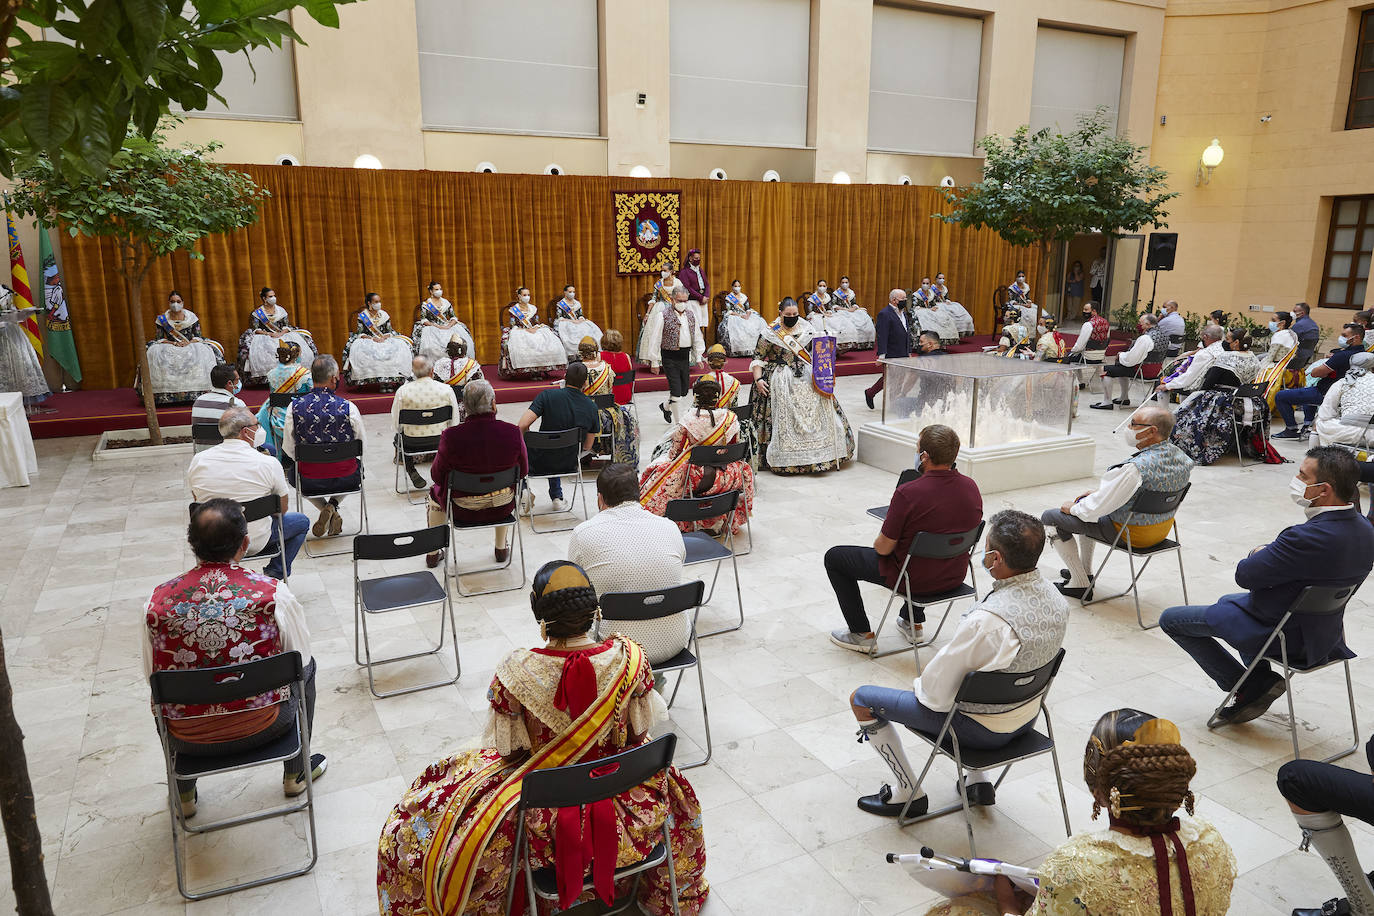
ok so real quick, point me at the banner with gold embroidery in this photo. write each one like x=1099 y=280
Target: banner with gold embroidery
x=647 y=231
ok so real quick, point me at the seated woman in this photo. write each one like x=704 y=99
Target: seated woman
x=740 y=326
x=1203 y=424
x=932 y=317
x=179 y=359
x=456 y=368
x=962 y=319
x=729 y=399
x=661 y=297
x=1282 y=340
x=375 y=354
x=826 y=320
x=436 y=324
x=613 y=354
x=1015 y=337
x=617 y=421
x=800 y=430
x=1052 y=347
x=1149 y=860
x=267 y=327
x=673 y=477
x=288 y=376
x=529 y=348
x=1344 y=416
x=446 y=847
x=572 y=324
x=844 y=300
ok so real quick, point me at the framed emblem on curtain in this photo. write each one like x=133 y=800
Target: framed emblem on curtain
x=647 y=231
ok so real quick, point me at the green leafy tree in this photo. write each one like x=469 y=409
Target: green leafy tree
x=1046 y=187
x=78 y=75
x=152 y=201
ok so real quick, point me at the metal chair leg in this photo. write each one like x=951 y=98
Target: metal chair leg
x=739 y=596
x=1058 y=776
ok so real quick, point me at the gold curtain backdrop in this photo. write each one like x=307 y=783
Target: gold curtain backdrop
x=328 y=235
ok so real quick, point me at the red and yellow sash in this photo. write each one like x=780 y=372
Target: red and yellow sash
x=728 y=390
x=290 y=384
x=448 y=881
x=459 y=378
x=602 y=378
x=670 y=470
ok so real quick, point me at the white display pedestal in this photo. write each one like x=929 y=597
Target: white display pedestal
x=995 y=468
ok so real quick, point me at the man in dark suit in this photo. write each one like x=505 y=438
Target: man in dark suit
x=1334 y=547
x=894 y=340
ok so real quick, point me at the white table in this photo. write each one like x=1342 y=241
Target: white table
x=17 y=459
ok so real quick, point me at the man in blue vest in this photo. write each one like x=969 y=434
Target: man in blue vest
x=894 y=340
x=317 y=417
x=1157 y=465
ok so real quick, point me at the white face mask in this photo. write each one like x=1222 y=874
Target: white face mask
x=570 y=294
x=821 y=290
x=437 y=294
x=271 y=300
x=1128 y=438
x=680 y=306
x=1297 y=491
x=735 y=287
x=525 y=299
x=375 y=306
x=175 y=306
x=925 y=285
x=666 y=273
x=844 y=285
x=1342 y=342
x=259 y=437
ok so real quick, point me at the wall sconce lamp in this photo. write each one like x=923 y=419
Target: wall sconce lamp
x=1211 y=158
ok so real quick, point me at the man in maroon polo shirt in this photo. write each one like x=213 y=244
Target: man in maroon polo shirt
x=941 y=501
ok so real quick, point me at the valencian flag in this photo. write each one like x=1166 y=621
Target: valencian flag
x=19 y=282
x=823 y=365
x=61 y=343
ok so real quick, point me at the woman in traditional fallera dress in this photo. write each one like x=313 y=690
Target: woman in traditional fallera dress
x=456 y=368
x=800 y=430
x=730 y=389
x=179 y=358
x=288 y=376
x=572 y=323
x=661 y=297
x=268 y=325
x=436 y=323
x=618 y=420
x=446 y=848
x=375 y=354
x=740 y=326
x=1203 y=425
x=825 y=320
x=529 y=348
x=861 y=323
x=20 y=369
x=962 y=319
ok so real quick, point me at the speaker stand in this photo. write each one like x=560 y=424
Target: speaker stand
x=1153 y=286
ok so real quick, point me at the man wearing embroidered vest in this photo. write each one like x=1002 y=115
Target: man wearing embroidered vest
x=1333 y=547
x=1148 y=350
x=1018 y=626
x=1157 y=465
x=317 y=417
x=674 y=342
x=424 y=392
x=1092 y=341
x=1191 y=371
x=221 y=614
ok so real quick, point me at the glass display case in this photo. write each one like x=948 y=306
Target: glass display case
x=987 y=399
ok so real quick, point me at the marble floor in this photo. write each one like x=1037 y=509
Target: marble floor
x=88 y=541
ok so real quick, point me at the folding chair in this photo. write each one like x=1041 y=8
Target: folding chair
x=280 y=400
x=217 y=686
x=1147 y=373
x=654 y=605
x=482 y=485
x=383 y=594
x=1238 y=395
x=1003 y=688
x=719 y=456
x=268 y=506
x=582 y=784
x=628 y=378
x=702 y=548
x=907 y=476
x=1144 y=502
x=1315 y=601
x=325 y=453
x=745 y=414
x=930 y=546
x=417 y=446
x=602 y=443
x=539 y=441
x=205 y=435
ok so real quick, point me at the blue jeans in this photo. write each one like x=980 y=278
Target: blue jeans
x=296 y=525
x=889 y=704
x=1187 y=625
x=555 y=488
x=1288 y=398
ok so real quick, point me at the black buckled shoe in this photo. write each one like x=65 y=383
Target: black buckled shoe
x=1253 y=704
x=1336 y=906
x=882 y=804
x=979 y=793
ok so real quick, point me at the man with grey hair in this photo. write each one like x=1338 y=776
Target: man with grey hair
x=1147 y=350
x=236 y=470
x=1156 y=465
x=424 y=392
x=1189 y=375
x=893 y=338
x=321 y=417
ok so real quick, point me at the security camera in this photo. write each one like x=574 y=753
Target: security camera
x=553 y=168
x=772 y=175
x=947 y=181
x=904 y=179
x=486 y=167
x=1266 y=119
x=718 y=174
x=287 y=159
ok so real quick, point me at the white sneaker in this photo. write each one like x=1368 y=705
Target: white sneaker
x=560 y=506
x=911 y=634
x=526 y=503
x=853 y=641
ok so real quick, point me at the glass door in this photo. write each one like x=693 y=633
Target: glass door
x=1126 y=255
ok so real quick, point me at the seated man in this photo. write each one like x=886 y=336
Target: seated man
x=424 y=392
x=1171 y=323
x=1192 y=369
x=928 y=344
x=225 y=384
x=269 y=621
x=1327 y=374
x=1018 y=626
x=626 y=548
x=1308 y=332
x=941 y=501
x=1344 y=417
x=1157 y=465
x=322 y=417
x=1093 y=338
x=1147 y=350
x=559 y=409
x=1334 y=547
x=235 y=470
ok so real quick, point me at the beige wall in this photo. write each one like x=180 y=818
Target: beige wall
x=460 y=151
x=696 y=160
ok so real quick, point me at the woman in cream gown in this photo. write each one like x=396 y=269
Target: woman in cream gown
x=179 y=359
x=267 y=327
x=436 y=324
x=529 y=348
x=827 y=320
x=844 y=300
x=375 y=354
x=572 y=323
x=740 y=326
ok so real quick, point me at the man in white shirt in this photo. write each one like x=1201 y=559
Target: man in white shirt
x=236 y=470
x=1149 y=347
x=1093 y=338
x=625 y=548
x=1019 y=626
x=675 y=343
x=1190 y=375
x=424 y=392
x=1171 y=323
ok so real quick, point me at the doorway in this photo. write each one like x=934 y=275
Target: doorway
x=1071 y=280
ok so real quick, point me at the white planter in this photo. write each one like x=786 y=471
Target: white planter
x=103 y=452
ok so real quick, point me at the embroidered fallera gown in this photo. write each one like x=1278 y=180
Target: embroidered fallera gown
x=258 y=352
x=180 y=373
x=800 y=430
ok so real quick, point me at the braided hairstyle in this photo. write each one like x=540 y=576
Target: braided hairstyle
x=707 y=394
x=563 y=600
x=288 y=351
x=1135 y=766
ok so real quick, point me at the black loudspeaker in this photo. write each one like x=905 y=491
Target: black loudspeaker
x=1162 y=246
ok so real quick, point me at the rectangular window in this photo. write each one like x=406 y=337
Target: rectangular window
x=1348 y=249
x=519 y=66
x=260 y=86
x=1361 y=111
x=738 y=71
x=1075 y=72
x=923 y=82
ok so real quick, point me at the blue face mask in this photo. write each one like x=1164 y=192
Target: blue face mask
x=1273 y=327
x=238 y=386
x=1342 y=342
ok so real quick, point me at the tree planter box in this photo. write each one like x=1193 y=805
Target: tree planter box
x=103 y=451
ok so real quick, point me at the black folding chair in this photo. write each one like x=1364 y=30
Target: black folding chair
x=655 y=605
x=1003 y=688
x=702 y=548
x=1144 y=502
x=720 y=456
x=384 y=594
x=215 y=687
x=484 y=485
x=205 y=435
x=326 y=453
x=1314 y=601
x=602 y=443
x=268 y=506
x=417 y=446
x=907 y=476
x=930 y=546
x=560 y=440
x=281 y=400
x=628 y=378
x=1238 y=397
x=582 y=784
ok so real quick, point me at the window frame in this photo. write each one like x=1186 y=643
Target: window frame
x=1365 y=37
x=1364 y=227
